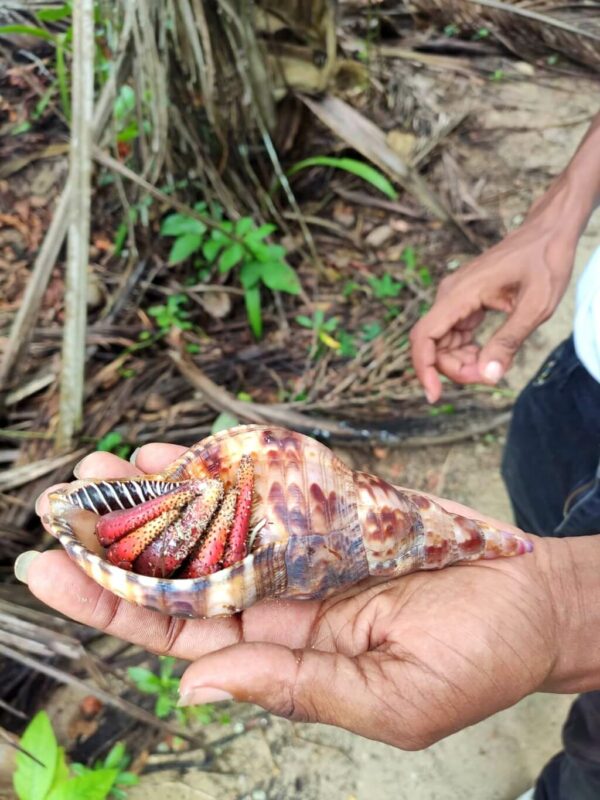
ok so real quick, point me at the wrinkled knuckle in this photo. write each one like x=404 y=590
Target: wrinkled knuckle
x=167 y=643
x=509 y=342
x=105 y=610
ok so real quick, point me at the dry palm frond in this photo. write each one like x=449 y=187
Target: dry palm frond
x=573 y=32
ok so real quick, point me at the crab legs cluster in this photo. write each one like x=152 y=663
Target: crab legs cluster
x=193 y=530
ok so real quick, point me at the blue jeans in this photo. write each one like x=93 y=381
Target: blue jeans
x=551 y=468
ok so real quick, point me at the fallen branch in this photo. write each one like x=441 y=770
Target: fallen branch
x=334 y=432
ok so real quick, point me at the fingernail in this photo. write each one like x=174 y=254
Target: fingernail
x=37 y=505
x=203 y=694
x=133 y=456
x=429 y=396
x=77 y=466
x=23 y=562
x=492 y=371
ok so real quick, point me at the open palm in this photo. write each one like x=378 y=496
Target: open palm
x=405 y=662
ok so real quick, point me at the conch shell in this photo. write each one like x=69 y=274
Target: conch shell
x=312 y=526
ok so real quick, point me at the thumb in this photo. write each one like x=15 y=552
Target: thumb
x=305 y=685
x=497 y=355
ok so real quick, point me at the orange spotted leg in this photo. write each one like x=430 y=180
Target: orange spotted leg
x=226 y=541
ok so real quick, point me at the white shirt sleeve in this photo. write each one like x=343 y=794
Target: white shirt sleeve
x=587 y=317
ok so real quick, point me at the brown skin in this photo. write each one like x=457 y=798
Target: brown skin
x=420 y=657
x=524 y=276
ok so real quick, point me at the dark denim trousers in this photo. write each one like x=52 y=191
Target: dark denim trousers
x=551 y=468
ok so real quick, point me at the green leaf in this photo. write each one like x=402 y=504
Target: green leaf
x=211 y=248
x=167 y=664
x=352 y=165
x=250 y=274
x=27 y=30
x=92 y=786
x=306 y=322
x=280 y=277
x=409 y=256
x=61 y=770
x=347 y=345
x=243 y=226
x=184 y=246
x=145 y=680
x=179 y=225
x=31 y=780
x=224 y=421
x=125 y=102
x=53 y=14
x=371 y=331
x=164 y=706
x=252 y=300
x=115 y=756
x=109 y=441
x=230 y=257
x=62 y=75
x=128 y=779
x=258 y=234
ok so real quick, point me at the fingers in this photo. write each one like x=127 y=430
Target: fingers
x=153 y=458
x=308 y=685
x=445 y=314
x=497 y=355
x=57 y=581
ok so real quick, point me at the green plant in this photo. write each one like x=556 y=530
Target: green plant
x=445 y=408
x=165 y=686
x=451 y=30
x=409 y=257
x=498 y=75
x=323 y=329
x=352 y=165
x=370 y=331
x=481 y=33
x=117 y=759
x=42 y=771
x=230 y=245
x=385 y=286
x=113 y=442
x=171 y=315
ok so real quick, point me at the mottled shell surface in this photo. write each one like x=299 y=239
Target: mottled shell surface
x=320 y=527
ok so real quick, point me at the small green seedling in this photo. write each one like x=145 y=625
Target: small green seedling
x=113 y=442
x=227 y=245
x=323 y=329
x=165 y=686
x=171 y=314
x=117 y=759
x=42 y=771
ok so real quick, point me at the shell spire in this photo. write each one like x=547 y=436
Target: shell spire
x=258 y=512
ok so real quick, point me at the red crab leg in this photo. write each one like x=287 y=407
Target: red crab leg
x=237 y=543
x=169 y=550
x=207 y=557
x=113 y=526
x=124 y=552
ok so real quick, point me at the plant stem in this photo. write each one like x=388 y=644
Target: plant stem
x=73 y=352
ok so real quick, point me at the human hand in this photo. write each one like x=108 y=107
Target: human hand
x=406 y=662
x=523 y=276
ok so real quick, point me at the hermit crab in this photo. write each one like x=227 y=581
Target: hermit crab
x=258 y=512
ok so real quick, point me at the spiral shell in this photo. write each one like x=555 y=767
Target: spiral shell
x=318 y=526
